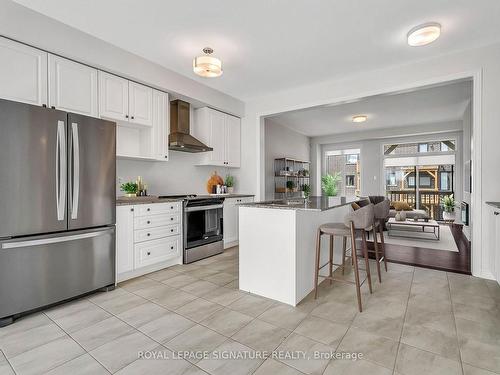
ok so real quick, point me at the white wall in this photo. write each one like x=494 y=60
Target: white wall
x=482 y=63
x=281 y=141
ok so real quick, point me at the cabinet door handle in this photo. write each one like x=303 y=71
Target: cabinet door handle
x=148 y=222
x=132 y=117
x=132 y=209
x=149 y=253
x=126 y=116
x=497 y=213
x=171 y=218
x=166 y=157
x=149 y=234
x=171 y=230
x=149 y=209
x=171 y=247
x=171 y=207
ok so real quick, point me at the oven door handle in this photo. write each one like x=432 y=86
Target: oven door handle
x=203 y=208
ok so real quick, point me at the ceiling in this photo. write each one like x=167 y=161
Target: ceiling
x=423 y=106
x=272 y=45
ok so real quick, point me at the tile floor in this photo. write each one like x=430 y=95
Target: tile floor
x=417 y=321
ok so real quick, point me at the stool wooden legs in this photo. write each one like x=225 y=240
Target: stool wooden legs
x=331 y=260
x=316 y=269
x=367 y=261
x=344 y=255
x=377 y=255
x=381 y=230
x=355 y=265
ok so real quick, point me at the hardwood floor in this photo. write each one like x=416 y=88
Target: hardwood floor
x=435 y=259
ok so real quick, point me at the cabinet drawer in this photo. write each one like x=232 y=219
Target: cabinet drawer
x=151 y=252
x=243 y=200
x=152 y=221
x=156 y=232
x=157 y=208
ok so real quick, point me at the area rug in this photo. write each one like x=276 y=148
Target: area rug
x=446 y=242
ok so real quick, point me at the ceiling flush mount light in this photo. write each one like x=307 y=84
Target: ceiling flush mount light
x=422 y=35
x=359 y=118
x=207 y=65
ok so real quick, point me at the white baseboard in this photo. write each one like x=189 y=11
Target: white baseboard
x=145 y=270
x=230 y=244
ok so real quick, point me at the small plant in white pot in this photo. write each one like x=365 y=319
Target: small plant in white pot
x=448 y=203
x=229 y=182
x=329 y=186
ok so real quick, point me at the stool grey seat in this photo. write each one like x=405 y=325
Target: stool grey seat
x=354 y=224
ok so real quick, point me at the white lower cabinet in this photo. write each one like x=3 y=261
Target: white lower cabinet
x=231 y=222
x=148 y=238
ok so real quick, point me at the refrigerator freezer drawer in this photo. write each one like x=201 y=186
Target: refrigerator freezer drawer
x=42 y=270
x=151 y=252
x=155 y=233
x=152 y=221
x=157 y=208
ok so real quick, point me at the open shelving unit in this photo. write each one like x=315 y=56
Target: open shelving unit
x=289 y=177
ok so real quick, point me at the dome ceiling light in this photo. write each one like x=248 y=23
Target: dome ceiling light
x=207 y=66
x=424 y=34
x=359 y=118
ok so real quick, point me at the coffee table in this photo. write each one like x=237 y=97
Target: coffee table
x=422 y=230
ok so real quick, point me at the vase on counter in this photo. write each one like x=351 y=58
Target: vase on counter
x=403 y=215
x=398 y=216
x=449 y=216
x=230 y=189
x=333 y=201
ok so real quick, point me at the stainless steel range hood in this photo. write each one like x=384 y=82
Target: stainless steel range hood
x=179 y=138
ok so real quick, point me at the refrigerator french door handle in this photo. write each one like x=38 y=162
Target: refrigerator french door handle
x=75 y=168
x=61 y=176
x=45 y=241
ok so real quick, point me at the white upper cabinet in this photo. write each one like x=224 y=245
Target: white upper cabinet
x=161 y=124
x=221 y=132
x=23 y=73
x=233 y=141
x=72 y=87
x=140 y=104
x=216 y=138
x=113 y=97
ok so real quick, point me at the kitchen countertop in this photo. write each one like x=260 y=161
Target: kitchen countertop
x=314 y=204
x=123 y=201
x=494 y=204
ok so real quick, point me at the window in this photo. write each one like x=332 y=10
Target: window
x=425 y=181
x=391 y=179
x=445 y=180
x=444 y=147
x=352 y=158
x=349 y=180
x=423 y=147
x=411 y=181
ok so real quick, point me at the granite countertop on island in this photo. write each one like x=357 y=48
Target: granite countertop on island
x=313 y=204
x=123 y=201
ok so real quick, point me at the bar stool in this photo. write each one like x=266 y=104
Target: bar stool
x=354 y=223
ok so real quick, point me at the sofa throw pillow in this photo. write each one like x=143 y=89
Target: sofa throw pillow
x=401 y=206
x=355 y=206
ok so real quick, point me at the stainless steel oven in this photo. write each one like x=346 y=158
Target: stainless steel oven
x=203 y=228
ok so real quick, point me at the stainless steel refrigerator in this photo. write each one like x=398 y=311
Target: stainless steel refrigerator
x=57 y=206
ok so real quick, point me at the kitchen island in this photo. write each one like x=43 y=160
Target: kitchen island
x=277 y=245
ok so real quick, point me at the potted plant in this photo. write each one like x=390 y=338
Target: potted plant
x=329 y=186
x=290 y=185
x=306 y=189
x=229 y=182
x=129 y=188
x=448 y=203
